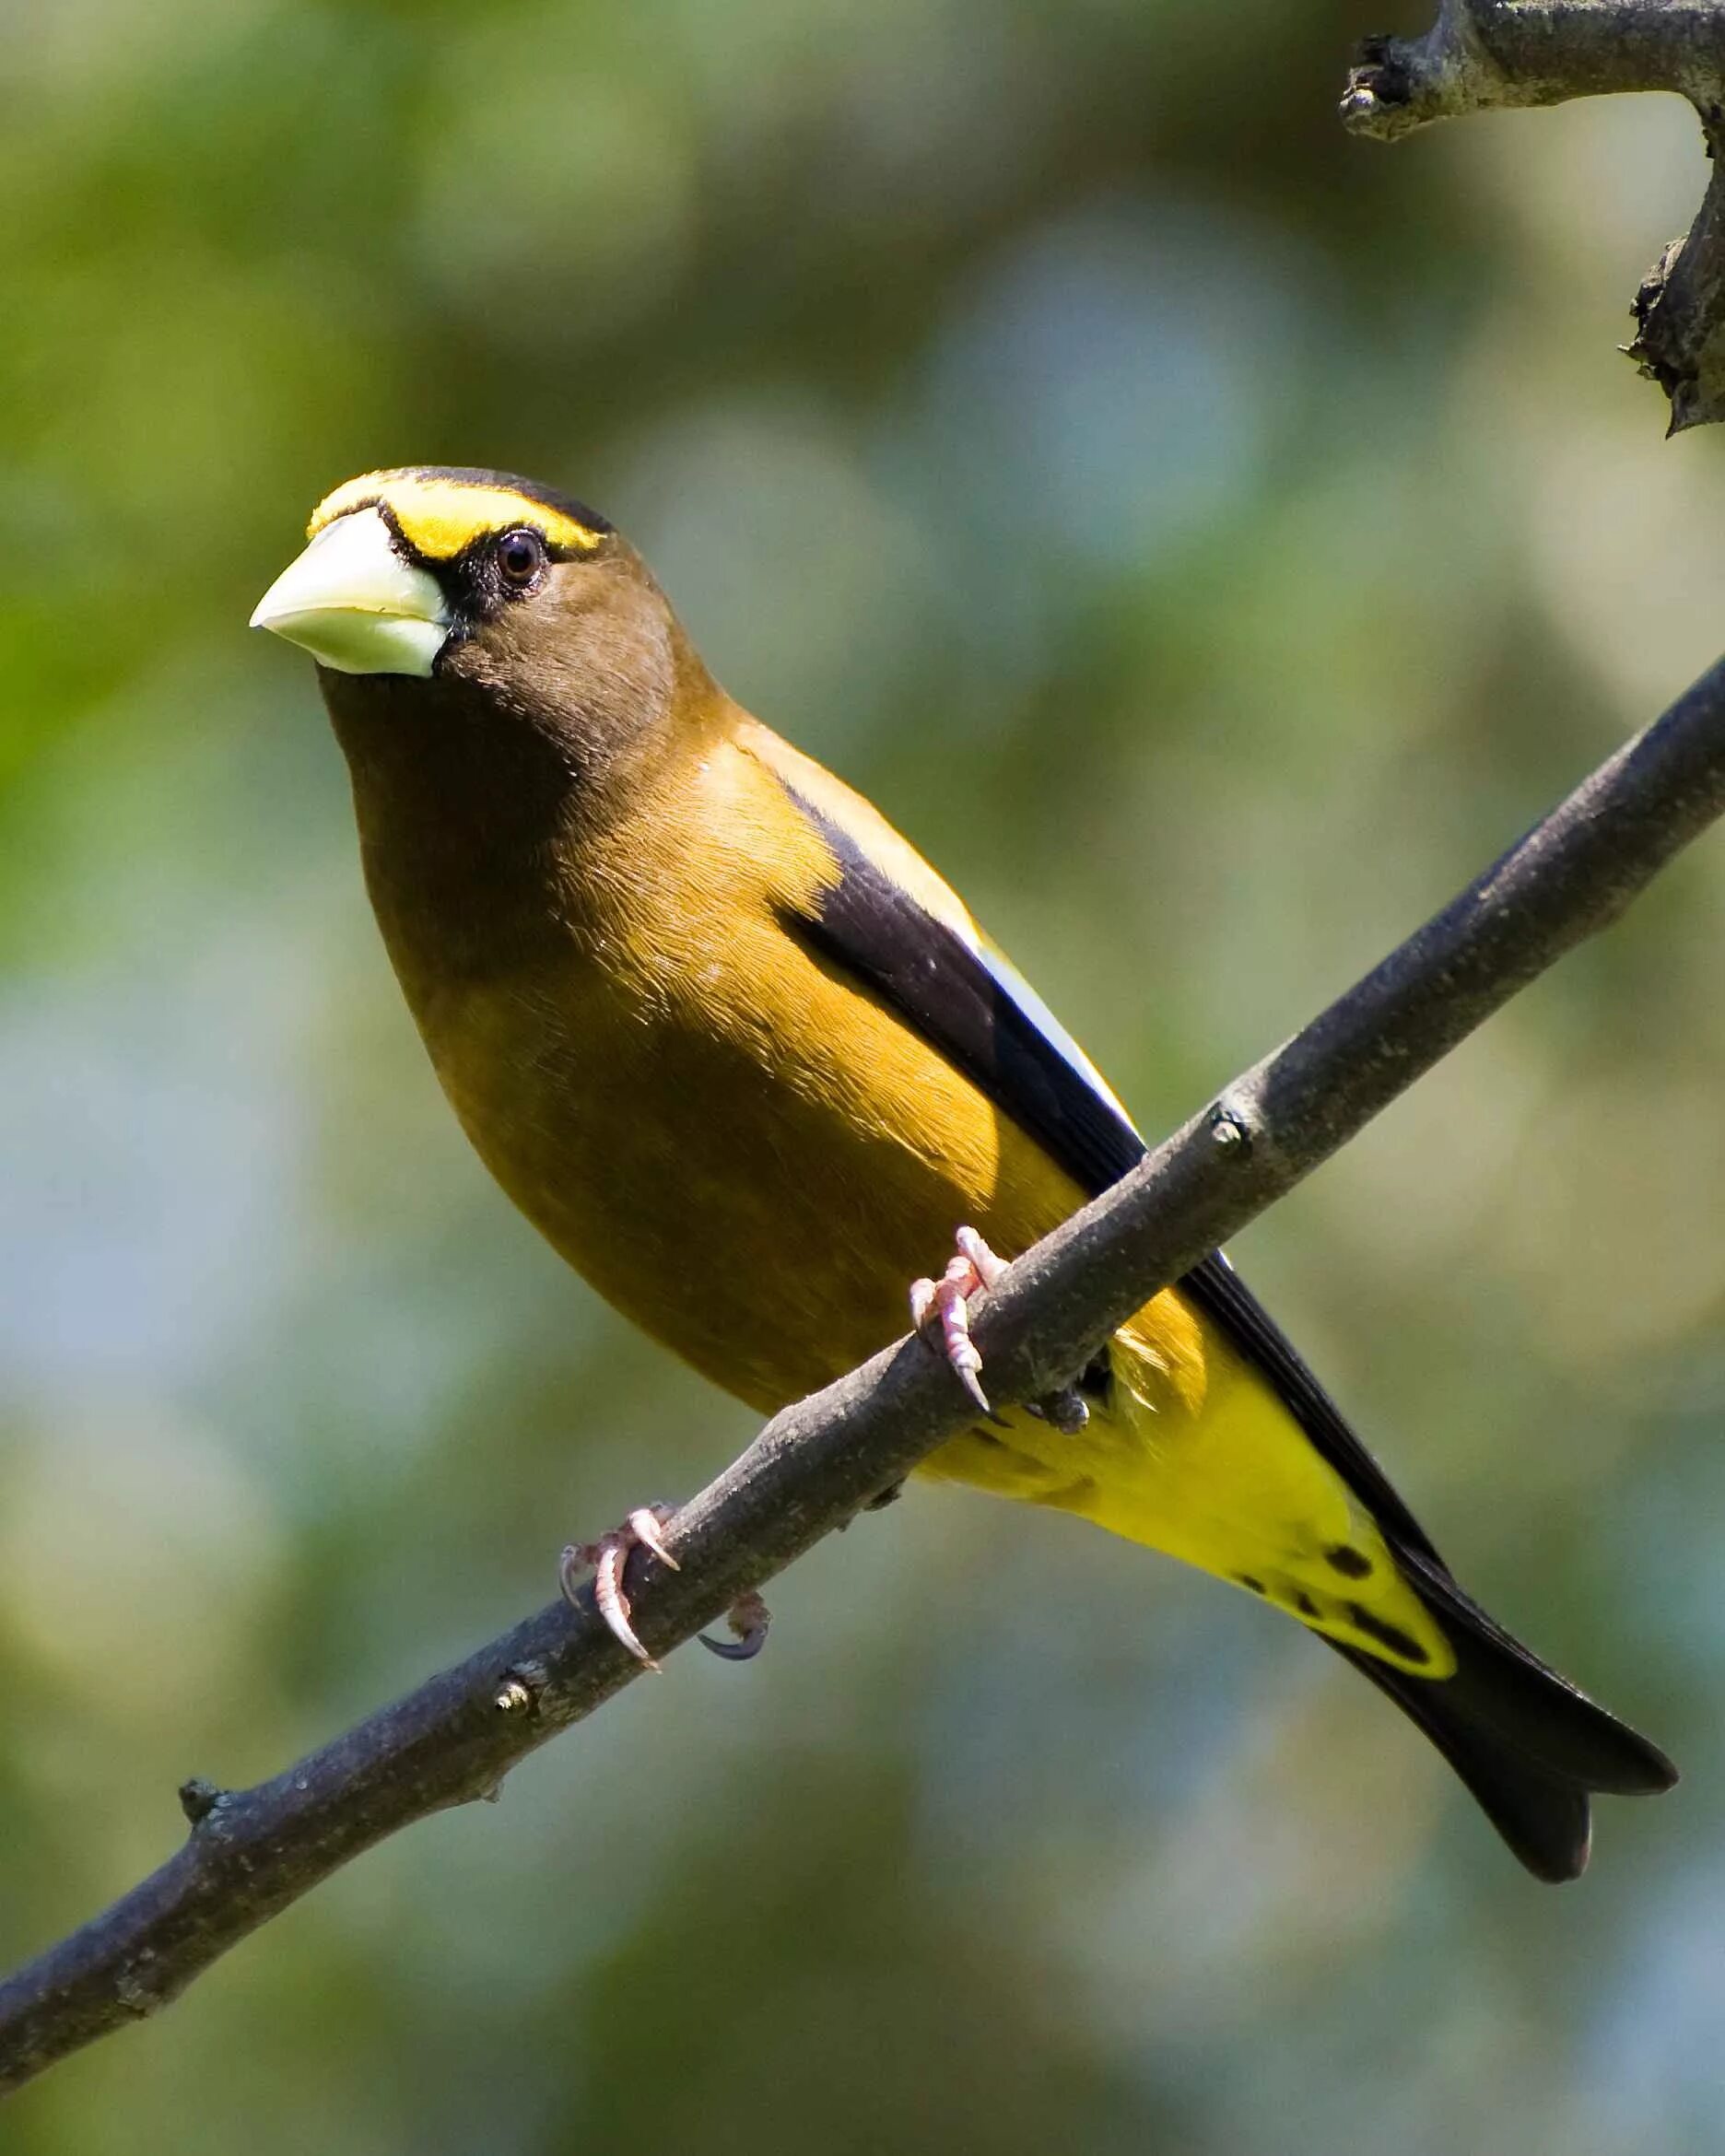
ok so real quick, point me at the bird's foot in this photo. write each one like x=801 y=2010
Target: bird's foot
x=945 y=1304
x=607 y=1559
x=748 y=1618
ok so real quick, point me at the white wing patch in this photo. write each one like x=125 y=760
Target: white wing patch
x=1006 y=976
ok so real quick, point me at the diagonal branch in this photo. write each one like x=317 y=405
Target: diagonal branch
x=1482 y=56
x=252 y=1852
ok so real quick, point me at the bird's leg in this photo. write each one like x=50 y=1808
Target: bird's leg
x=946 y=1303
x=607 y=1559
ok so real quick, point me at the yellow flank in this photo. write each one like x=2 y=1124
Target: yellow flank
x=1196 y=1455
x=439 y=516
x=669 y=1070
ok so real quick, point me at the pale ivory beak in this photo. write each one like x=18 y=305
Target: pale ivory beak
x=355 y=605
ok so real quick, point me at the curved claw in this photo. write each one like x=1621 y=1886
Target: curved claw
x=966 y=1374
x=750 y=1618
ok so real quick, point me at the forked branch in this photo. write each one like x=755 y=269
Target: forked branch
x=1482 y=56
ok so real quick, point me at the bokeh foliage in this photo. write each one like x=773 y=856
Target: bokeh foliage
x=1211 y=539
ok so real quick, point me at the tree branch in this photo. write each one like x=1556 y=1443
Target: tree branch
x=1488 y=54
x=252 y=1852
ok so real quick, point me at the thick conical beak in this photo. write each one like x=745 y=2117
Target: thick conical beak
x=355 y=605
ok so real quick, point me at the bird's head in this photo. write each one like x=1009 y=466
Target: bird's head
x=489 y=607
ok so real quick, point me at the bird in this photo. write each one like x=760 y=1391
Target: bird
x=746 y=1062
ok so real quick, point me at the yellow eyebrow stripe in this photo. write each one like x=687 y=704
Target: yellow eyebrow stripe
x=439 y=517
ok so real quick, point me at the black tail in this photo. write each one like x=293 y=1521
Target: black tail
x=1528 y=1746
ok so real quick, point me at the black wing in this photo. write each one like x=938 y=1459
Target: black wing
x=877 y=932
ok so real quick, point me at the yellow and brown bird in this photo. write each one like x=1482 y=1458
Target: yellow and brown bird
x=745 y=1060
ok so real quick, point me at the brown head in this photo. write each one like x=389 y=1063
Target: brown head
x=489 y=649
x=502 y=672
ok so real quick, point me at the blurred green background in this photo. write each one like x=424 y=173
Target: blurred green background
x=1044 y=390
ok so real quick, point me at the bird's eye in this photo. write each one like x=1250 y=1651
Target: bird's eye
x=520 y=557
